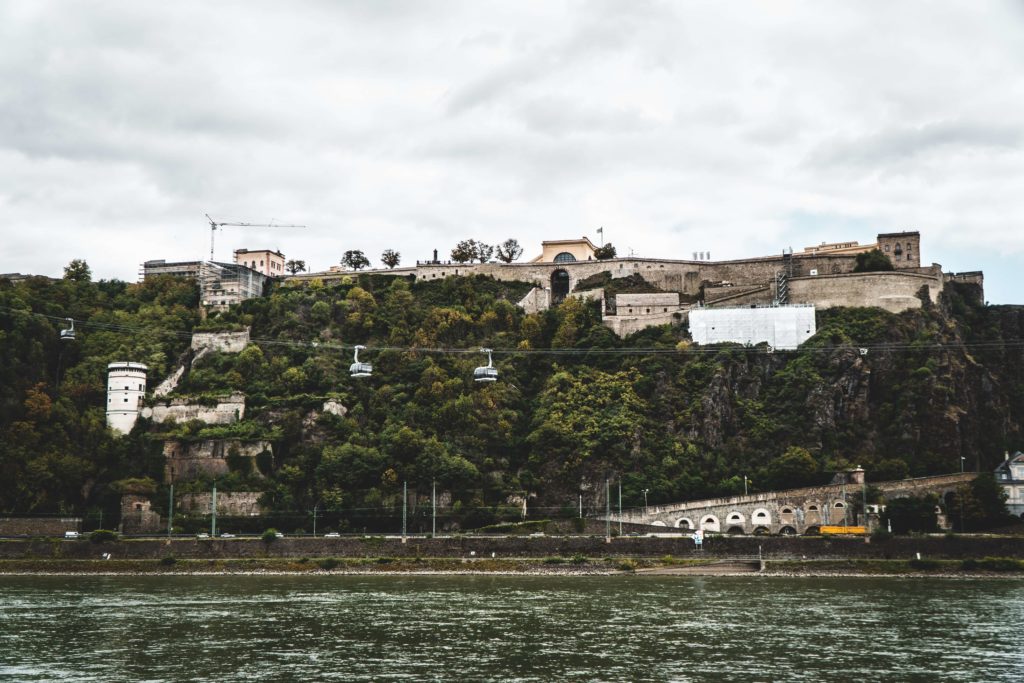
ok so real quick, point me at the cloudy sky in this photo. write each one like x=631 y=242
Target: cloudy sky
x=738 y=128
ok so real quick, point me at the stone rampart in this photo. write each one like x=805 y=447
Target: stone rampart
x=748 y=295
x=188 y=460
x=628 y=304
x=536 y=300
x=895 y=291
x=229 y=504
x=226 y=410
x=625 y=325
x=225 y=342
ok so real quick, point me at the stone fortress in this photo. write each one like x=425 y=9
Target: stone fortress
x=821 y=276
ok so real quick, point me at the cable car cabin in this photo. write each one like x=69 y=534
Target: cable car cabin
x=358 y=369
x=486 y=373
x=69 y=333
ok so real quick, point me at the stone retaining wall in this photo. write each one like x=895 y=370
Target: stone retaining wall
x=38 y=526
x=188 y=460
x=225 y=342
x=226 y=411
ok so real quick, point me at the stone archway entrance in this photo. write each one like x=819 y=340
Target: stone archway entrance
x=559 y=286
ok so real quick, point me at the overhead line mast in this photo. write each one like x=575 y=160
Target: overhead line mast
x=216 y=224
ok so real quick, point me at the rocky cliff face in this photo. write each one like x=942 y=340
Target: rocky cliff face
x=932 y=386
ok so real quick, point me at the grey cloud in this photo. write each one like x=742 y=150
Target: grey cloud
x=559 y=116
x=904 y=142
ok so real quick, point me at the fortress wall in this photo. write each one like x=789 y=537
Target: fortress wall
x=229 y=504
x=625 y=325
x=226 y=411
x=742 y=296
x=894 y=291
x=668 y=299
x=225 y=342
x=186 y=461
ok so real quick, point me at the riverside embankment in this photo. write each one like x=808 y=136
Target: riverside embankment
x=951 y=547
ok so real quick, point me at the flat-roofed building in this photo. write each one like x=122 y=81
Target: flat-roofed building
x=266 y=261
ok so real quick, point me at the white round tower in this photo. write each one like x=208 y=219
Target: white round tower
x=126 y=387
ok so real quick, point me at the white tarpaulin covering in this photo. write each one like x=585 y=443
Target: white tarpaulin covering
x=783 y=327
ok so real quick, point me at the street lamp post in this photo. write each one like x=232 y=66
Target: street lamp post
x=620 y=508
x=961 y=497
x=170 y=511
x=744 y=484
x=646 y=510
x=315 y=507
x=213 y=511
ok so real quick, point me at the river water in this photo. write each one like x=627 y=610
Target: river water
x=476 y=628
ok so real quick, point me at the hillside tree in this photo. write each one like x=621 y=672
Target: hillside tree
x=872 y=261
x=604 y=253
x=509 y=250
x=390 y=258
x=78 y=271
x=294 y=266
x=465 y=251
x=484 y=252
x=355 y=259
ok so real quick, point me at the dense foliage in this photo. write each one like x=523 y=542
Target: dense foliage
x=682 y=423
x=56 y=454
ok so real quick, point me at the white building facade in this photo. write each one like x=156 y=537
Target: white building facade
x=126 y=387
x=1010 y=475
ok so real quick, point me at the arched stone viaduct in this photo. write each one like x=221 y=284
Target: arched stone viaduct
x=793 y=511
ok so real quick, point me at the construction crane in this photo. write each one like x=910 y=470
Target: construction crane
x=215 y=224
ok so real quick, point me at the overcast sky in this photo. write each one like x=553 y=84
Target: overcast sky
x=735 y=128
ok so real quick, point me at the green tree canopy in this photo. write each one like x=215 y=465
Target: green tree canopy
x=874 y=260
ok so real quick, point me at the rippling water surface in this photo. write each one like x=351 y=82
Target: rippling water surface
x=470 y=628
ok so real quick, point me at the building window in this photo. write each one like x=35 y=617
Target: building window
x=565 y=257
x=887 y=247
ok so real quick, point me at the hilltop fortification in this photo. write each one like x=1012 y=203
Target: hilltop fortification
x=824 y=276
